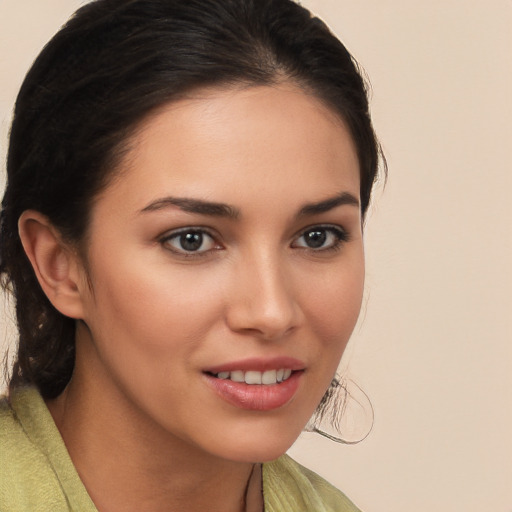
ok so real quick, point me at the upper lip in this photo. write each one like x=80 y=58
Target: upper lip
x=258 y=364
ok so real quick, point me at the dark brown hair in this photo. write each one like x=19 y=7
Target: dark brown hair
x=110 y=66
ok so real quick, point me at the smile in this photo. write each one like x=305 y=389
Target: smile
x=256 y=390
x=252 y=377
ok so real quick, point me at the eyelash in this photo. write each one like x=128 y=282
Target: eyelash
x=340 y=237
x=175 y=235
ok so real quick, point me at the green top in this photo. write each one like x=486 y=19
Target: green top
x=36 y=472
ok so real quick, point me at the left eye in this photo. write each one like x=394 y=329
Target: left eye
x=190 y=241
x=321 y=238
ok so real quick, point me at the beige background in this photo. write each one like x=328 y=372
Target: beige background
x=434 y=350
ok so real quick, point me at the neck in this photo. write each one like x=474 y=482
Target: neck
x=128 y=463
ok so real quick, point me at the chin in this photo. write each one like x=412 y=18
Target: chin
x=261 y=443
x=256 y=454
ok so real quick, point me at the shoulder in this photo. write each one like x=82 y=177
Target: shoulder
x=27 y=481
x=290 y=486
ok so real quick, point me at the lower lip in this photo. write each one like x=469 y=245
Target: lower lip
x=256 y=397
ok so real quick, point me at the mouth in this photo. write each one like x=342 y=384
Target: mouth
x=253 y=377
x=257 y=384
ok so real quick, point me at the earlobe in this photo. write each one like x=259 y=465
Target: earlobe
x=54 y=263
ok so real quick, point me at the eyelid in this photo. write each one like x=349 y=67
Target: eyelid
x=174 y=233
x=339 y=232
x=342 y=235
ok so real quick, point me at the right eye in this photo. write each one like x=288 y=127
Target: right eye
x=190 y=242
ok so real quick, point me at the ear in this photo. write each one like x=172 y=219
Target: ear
x=56 y=265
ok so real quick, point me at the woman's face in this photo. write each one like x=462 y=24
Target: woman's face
x=228 y=249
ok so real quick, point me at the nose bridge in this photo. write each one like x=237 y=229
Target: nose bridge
x=263 y=302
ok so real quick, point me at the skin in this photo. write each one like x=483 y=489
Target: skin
x=143 y=428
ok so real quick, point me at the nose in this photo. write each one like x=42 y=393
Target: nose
x=262 y=301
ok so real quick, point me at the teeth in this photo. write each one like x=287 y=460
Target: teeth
x=253 y=377
x=269 y=377
x=237 y=376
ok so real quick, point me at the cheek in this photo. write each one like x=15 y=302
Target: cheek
x=334 y=302
x=147 y=322
x=147 y=319
x=333 y=312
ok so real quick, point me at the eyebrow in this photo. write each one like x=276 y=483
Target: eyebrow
x=345 y=198
x=214 y=209
x=194 y=206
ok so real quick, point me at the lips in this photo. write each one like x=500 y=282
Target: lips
x=257 y=364
x=256 y=384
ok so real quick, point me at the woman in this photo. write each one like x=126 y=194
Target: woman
x=182 y=232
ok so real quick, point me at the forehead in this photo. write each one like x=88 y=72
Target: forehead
x=273 y=141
